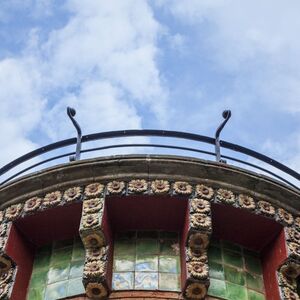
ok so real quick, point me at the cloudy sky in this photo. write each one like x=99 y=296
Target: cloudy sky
x=161 y=64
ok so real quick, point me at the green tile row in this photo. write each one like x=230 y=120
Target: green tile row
x=57 y=270
x=231 y=291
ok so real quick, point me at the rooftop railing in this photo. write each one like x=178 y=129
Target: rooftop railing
x=262 y=162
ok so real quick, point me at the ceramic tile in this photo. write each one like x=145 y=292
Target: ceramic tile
x=56 y=290
x=123 y=281
x=146 y=263
x=38 y=279
x=78 y=253
x=231 y=246
x=59 y=255
x=232 y=258
x=124 y=263
x=63 y=244
x=36 y=293
x=214 y=254
x=169 y=282
x=146 y=281
x=253 y=264
x=217 y=288
x=169 y=264
x=252 y=295
x=234 y=275
x=76 y=269
x=169 y=247
x=126 y=247
x=75 y=287
x=254 y=282
x=147 y=247
x=216 y=271
x=236 y=292
x=59 y=272
x=41 y=261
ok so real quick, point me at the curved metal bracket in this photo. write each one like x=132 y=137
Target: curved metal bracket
x=71 y=113
x=226 y=115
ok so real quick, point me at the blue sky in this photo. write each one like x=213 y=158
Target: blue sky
x=151 y=64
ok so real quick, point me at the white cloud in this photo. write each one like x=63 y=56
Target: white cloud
x=102 y=62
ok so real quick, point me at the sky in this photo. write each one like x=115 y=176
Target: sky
x=161 y=64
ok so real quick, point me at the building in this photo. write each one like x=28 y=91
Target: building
x=149 y=227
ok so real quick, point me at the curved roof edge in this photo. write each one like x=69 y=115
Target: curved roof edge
x=150 y=167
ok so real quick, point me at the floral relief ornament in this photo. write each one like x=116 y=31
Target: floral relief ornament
x=297 y=223
x=294 y=250
x=286 y=281
x=293 y=235
x=201 y=221
x=94 y=269
x=96 y=290
x=32 y=204
x=246 y=201
x=225 y=196
x=93 y=205
x=3 y=229
x=93 y=240
x=289 y=294
x=4 y=291
x=137 y=186
x=266 y=208
x=115 y=187
x=200 y=256
x=52 y=199
x=198 y=269
x=5 y=277
x=200 y=205
x=160 y=186
x=182 y=187
x=90 y=220
x=13 y=212
x=285 y=216
x=204 y=191
x=290 y=269
x=99 y=253
x=93 y=190
x=196 y=290
x=1 y=216
x=72 y=194
x=198 y=242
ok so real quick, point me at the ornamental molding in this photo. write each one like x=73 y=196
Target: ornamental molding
x=200 y=195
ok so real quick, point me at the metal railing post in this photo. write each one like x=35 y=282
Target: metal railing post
x=71 y=113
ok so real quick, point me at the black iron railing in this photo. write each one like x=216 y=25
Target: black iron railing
x=281 y=172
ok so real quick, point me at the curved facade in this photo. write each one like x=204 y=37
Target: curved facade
x=208 y=206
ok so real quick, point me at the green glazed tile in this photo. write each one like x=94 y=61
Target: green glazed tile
x=217 y=288
x=168 y=235
x=253 y=264
x=169 y=247
x=254 y=282
x=214 y=254
x=146 y=263
x=41 y=261
x=123 y=281
x=124 y=263
x=60 y=255
x=252 y=295
x=36 y=294
x=231 y=246
x=234 y=275
x=232 y=258
x=169 y=282
x=147 y=235
x=76 y=269
x=146 y=281
x=56 y=290
x=59 y=272
x=147 y=247
x=78 y=253
x=75 y=287
x=216 y=270
x=236 y=292
x=126 y=235
x=126 y=247
x=169 y=264
x=62 y=244
x=38 y=279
